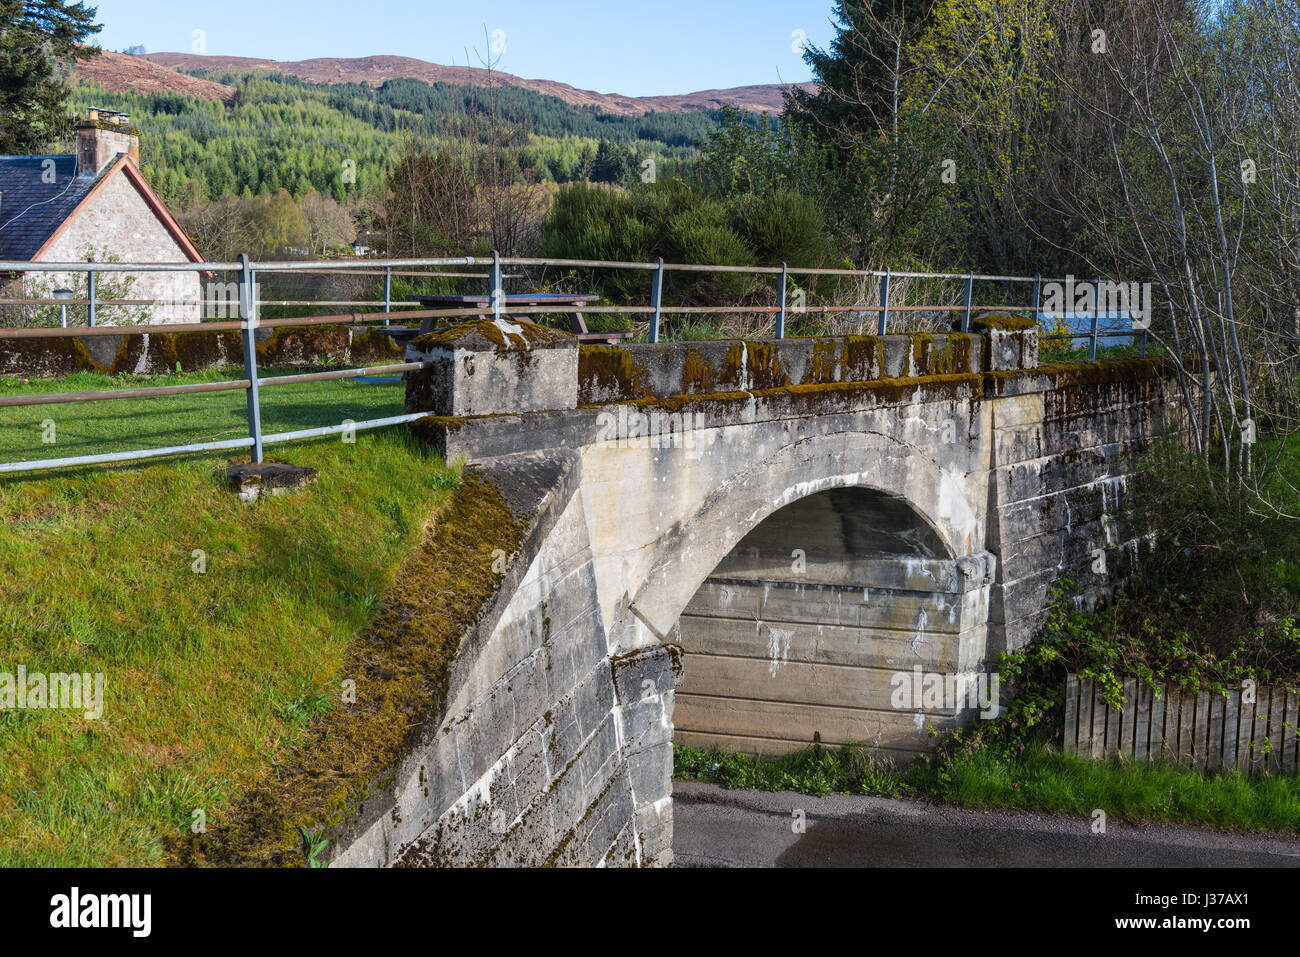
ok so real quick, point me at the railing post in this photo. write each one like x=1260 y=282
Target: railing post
x=1096 y=311
x=883 y=324
x=656 y=299
x=90 y=294
x=494 y=280
x=780 y=318
x=248 y=312
x=970 y=289
x=1038 y=294
x=388 y=292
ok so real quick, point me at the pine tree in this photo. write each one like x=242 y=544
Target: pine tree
x=855 y=73
x=38 y=37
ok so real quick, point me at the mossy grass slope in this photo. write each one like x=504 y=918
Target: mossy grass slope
x=223 y=630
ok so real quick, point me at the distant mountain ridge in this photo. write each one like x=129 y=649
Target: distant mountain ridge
x=375 y=70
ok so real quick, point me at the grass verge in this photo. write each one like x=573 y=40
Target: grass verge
x=1039 y=778
x=221 y=629
x=118 y=425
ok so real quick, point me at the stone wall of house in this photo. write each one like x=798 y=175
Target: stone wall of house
x=118 y=222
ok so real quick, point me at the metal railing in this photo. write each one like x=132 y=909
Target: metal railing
x=249 y=305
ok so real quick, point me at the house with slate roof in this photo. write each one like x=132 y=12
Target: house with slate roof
x=95 y=204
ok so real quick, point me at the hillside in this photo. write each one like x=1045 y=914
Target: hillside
x=376 y=70
x=257 y=132
x=120 y=73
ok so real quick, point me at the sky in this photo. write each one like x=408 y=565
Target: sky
x=633 y=47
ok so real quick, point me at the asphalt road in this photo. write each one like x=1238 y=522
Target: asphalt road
x=713 y=827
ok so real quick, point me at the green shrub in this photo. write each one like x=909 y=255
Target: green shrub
x=783 y=226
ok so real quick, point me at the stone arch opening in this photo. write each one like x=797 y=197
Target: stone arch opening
x=801 y=633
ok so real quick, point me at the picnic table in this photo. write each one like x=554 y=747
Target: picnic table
x=569 y=305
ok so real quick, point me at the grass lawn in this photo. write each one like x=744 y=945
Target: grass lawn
x=122 y=425
x=210 y=678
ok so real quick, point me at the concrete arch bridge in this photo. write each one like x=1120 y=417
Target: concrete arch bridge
x=754 y=545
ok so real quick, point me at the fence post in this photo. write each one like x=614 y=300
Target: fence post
x=780 y=318
x=90 y=294
x=656 y=299
x=970 y=288
x=884 y=304
x=388 y=292
x=494 y=280
x=1096 y=309
x=248 y=311
x=1038 y=294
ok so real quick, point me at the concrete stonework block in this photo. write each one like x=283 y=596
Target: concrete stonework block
x=580 y=780
x=592 y=837
x=493 y=367
x=1011 y=349
x=646 y=721
x=251 y=482
x=651 y=772
x=527 y=766
x=647 y=672
x=654 y=828
x=898 y=357
x=625 y=852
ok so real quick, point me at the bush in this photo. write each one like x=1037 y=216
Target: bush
x=783 y=226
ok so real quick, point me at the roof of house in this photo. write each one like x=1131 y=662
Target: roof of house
x=33 y=211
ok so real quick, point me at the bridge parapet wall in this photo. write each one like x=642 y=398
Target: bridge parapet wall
x=502 y=368
x=643 y=370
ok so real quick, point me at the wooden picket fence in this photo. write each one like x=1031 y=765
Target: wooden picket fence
x=1204 y=730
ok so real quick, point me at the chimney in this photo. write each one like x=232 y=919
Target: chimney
x=101 y=136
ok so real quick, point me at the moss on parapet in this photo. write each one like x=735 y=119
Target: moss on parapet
x=293 y=344
x=824 y=363
x=195 y=351
x=401 y=665
x=920 y=346
x=698 y=373
x=1001 y=322
x=1105 y=370
x=485 y=334
x=826 y=397
x=752 y=365
x=953 y=358
x=864 y=358
x=48 y=357
x=610 y=371
x=373 y=346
